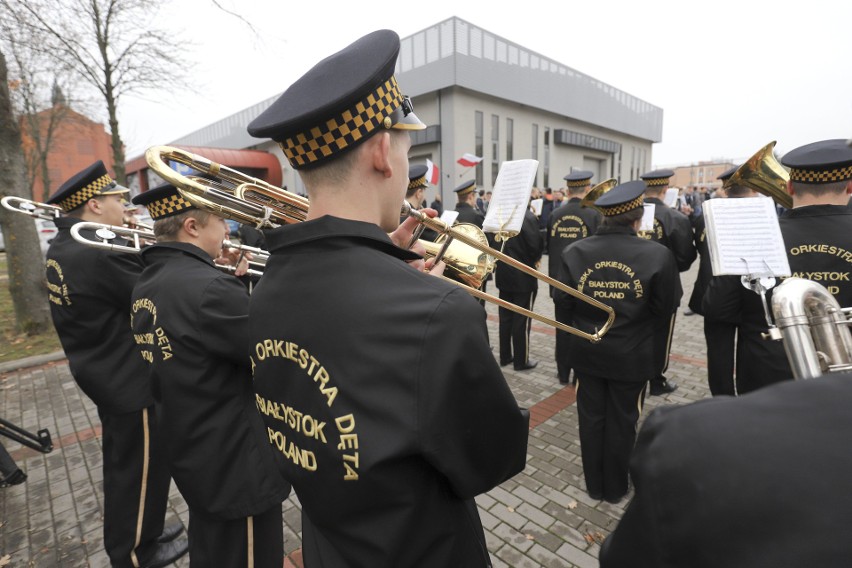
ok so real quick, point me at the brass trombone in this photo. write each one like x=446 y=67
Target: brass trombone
x=31 y=208
x=765 y=175
x=40 y=210
x=255 y=202
x=105 y=236
x=597 y=192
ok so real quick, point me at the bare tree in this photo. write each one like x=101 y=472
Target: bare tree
x=26 y=275
x=115 y=46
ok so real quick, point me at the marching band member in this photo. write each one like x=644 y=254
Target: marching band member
x=568 y=224
x=466 y=206
x=673 y=230
x=818 y=230
x=639 y=279
x=190 y=322
x=89 y=291
x=381 y=398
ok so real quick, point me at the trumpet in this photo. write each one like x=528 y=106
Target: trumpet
x=105 y=236
x=597 y=192
x=249 y=200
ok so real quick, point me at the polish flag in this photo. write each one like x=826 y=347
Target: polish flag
x=469 y=160
x=433 y=174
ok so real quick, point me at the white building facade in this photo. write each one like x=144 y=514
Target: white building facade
x=484 y=95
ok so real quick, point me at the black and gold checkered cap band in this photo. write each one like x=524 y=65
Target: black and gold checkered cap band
x=100 y=186
x=417 y=182
x=345 y=129
x=580 y=182
x=622 y=207
x=824 y=176
x=168 y=206
x=656 y=182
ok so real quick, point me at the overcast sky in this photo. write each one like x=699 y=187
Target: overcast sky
x=730 y=76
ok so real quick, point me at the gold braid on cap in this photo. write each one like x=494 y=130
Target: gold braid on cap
x=622 y=207
x=579 y=182
x=417 y=182
x=167 y=206
x=86 y=192
x=825 y=176
x=657 y=181
x=341 y=131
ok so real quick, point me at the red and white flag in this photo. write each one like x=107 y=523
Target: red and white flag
x=469 y=160
x=433 y=174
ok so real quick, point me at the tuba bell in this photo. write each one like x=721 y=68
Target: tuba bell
x=765 y=175
x=597 y=192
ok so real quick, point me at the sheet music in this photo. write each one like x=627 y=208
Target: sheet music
x=744 y=237
x=536 y=205
x=510 y=197
x=648 y=217
x=670 y=198
x=449 y=216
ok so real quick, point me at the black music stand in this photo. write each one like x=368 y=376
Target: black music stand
x=40 y=441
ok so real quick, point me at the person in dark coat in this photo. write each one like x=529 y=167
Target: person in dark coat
x=89 y=291
x=520 y=289
x=638 y=278
x=817 y=231
x=673 y=230
x=414 y=195
x=719 y=335
x=383 y=403
x=190 y=321
x=568 y=224
x=466 y=206
x=754 y=481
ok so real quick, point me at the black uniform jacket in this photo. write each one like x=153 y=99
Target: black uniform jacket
x=89 y=291
x=525 y=247
x=672 y=229
x=468 y=214
x=191 y=323
x=568 y=224
x=383 y=402
x=639 y=279
x=818 y=239
x=705 y=268
x=748 y=482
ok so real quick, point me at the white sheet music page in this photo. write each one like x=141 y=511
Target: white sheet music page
x=744 y=237
x=647 y=223
x=510 y=197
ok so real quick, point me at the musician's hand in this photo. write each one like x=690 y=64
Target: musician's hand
x=235 y=257
x=402 y=235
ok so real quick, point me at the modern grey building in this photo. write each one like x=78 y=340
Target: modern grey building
x=485 y=95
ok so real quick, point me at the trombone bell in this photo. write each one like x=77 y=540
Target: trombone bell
x=465 y=264
x=765 y=175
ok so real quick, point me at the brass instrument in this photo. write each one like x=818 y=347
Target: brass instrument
x=106 y=234
x=597 y=192
x=41 y=210
x=31 y=208
x=255 y=202
x=814 y=328
x=765 y=175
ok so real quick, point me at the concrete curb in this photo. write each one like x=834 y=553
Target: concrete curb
x=33 y=361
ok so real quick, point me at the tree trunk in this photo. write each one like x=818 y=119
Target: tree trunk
x=23 y=253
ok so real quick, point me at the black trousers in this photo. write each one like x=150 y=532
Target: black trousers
x=563 y=338
x=136 y=486
x=721 y=345
x=248 y=542
x=664 y=347
x=608 y=411
x=515 y=328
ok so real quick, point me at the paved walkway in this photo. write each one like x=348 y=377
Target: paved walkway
x=541 y=517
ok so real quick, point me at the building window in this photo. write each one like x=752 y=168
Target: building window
x=546 y=156
x=495 y=148
x=478 y=142
x=535 y=148
x=510 y=135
